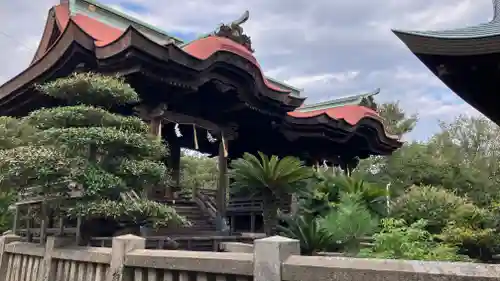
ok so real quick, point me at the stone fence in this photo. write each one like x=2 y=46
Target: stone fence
x=271 y=259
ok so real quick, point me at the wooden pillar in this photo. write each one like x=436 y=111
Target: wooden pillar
x=252 y=222
x=29 y=226
x=78 y=236
x=155 y=126
x=223 y=180
x=44 y=222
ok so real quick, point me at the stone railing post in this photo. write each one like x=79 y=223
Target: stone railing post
x=122 y=245
x=46 y=270
x=4 y=240
x=269 y=254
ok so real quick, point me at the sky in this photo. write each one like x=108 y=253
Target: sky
x=329 y=48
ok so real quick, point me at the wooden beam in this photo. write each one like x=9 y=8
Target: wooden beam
x=169 y=116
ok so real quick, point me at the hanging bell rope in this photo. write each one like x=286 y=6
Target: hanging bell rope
x=195 y=138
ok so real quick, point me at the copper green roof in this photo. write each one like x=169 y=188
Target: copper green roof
x=489 y=29
x=349 y=100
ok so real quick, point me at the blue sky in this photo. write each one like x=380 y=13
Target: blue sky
x=329 y=48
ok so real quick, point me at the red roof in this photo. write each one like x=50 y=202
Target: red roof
x=350 y=113
x=205 y=47
x=101 y=32
x=202 y=49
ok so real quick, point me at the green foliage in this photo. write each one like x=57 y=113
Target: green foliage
x=108 y=141
x=198 y=172
x=324 y=192
x=6 y=215
x=395 y=119
x=99 y=152
x=397 y=240
x=319 y=197
x=343 y=227
x=266 y=175
x=91 y=89
x=312 y=236
x=269 y=177
x=476 y=242
x=436 y=205
x=84 y=116
x=41 y=166
x=350 y=222
x=372 y=196
x=462 y=158
x=14 y=132
x=140 y=212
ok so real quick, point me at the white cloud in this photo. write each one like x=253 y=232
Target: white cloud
x=330 y=48
x=324 y=78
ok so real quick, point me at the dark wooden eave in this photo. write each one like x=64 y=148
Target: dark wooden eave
x=369 y=131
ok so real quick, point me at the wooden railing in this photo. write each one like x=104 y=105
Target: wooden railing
x=252 y=204
x=206 y=203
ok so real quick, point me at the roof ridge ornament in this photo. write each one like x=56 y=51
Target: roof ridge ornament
x=234 y=31
x=496 y=11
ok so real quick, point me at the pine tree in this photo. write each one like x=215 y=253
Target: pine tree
x=83 y=144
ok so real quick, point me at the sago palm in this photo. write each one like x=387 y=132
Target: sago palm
x=270 y=177
x=308 y=230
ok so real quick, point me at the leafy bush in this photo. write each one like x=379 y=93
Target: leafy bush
x=475 y=232
x=349 y=222
x=398 y=240
x=435 y=205
x=140 y=212
x=91 y=89
x=325 y=190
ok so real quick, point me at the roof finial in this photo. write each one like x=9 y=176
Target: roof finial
x=496 y=10
x=234 y=31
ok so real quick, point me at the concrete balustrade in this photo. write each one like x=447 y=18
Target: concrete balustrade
x=270 y=259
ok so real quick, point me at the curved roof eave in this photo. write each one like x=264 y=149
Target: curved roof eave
x=477 y=39
x=432 y=45
x=171 y=52
x=348 y=119
x=372 y=130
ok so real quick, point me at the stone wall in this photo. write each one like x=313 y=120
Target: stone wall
x=271 y=259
